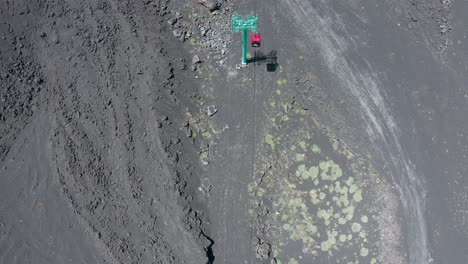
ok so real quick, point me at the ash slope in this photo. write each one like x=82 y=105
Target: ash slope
x=93 y=169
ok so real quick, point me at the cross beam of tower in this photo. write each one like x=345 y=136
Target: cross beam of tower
x=249 y=23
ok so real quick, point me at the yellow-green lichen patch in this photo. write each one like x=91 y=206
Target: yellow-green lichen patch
x=314 y=197
x=269 y=141
x=330 y=171
x=300 y=157
x=293 y=261
x=303 y=145
x=357 y=196
x=315 y=148
x=341 y=221
x=322 y=194
x=362 y=234
x=250 y=212
x=356 y=227
x=249 y=187
x=206 y=134
x=348 y=211
x=281 y=81
x=275 y=252
x=364 y=219
x=364 y=252
x=297 y=223
x=328 y=244
x=342 y=238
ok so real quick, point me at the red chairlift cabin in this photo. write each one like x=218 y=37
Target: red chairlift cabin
x=256 y=39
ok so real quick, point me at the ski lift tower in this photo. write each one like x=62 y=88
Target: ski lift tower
x=249 y=23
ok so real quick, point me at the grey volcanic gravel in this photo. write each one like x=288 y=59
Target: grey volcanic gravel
x=94 y=167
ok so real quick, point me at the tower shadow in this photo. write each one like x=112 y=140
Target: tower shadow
x=270 y=59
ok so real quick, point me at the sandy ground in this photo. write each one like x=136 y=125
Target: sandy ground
x=353 y=149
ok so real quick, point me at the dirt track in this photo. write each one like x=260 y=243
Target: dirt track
x=107 y=154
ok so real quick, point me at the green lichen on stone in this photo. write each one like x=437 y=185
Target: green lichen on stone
x=293 y=261
x=278 y=91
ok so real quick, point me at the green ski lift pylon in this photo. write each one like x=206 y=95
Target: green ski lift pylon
x=249 y=23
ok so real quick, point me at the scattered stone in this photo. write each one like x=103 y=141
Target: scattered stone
x=194 y=67
x=204 y=157
x=204 y=30
x=211 y=110
x=205 y=187
x=263 y=250
x=172 y=21
x=196 y=59
x=54 y=39
x=177 y=33
x=212 y=5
